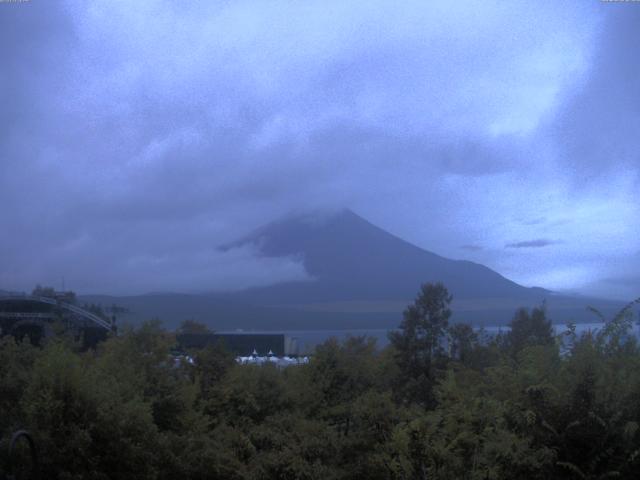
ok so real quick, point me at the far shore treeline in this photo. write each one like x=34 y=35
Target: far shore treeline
x=436 y=403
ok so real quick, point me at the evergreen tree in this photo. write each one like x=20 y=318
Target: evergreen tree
x=419 y=346
x=529 y=329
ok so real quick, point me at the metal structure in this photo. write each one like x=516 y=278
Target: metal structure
x=66 y=306
x=35 y=467
x=36 y=316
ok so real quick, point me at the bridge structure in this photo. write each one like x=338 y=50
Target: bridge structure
x=34 y=316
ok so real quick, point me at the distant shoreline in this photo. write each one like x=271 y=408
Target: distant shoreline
x=308 y=339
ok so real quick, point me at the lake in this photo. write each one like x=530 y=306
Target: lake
x=308 y=339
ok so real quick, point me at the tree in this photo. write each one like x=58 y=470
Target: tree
x=462 y=342
x=41 y=291
x=529 y=330
x=87 y=423
x=419 y=343
x=193 y=327
x=211 y=364
x=339 y=374
x=50 y=292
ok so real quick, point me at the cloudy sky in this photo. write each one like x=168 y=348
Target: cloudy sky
x=136 y=136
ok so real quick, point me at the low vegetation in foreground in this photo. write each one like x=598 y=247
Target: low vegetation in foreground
x=524 y=405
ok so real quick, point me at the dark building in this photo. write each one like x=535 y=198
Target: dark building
x=242 y=344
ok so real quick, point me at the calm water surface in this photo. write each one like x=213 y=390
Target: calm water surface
x=308 y=339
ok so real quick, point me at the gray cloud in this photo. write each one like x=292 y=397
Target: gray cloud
x=137 y=137
x=537 y=243
x=624 y=281
x=535 y=221
x=597 y=125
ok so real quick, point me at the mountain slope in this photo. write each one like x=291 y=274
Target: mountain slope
x=361 y=277
x=351 y=259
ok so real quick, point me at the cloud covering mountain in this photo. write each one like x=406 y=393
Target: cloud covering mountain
x=138 y=136
x=357 y=277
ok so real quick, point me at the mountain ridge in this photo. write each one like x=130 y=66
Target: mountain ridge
x=350 y=254
x=361 y=277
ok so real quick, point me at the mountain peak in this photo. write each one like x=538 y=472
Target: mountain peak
x=288 y=235
x=350 y=258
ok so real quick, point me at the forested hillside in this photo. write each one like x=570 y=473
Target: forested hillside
x=516 y=406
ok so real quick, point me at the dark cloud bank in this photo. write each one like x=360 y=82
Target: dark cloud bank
x=136 y=137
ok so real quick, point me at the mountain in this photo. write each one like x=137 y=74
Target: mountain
x=351 y=259
x=360 y=277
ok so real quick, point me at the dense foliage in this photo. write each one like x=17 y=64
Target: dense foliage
x=440 y=402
